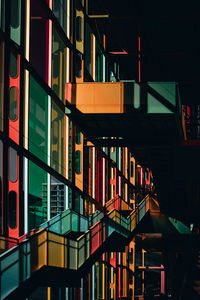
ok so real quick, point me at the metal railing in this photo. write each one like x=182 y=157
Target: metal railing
x=46 y=248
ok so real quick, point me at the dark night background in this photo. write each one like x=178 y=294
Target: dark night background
x=170 y=40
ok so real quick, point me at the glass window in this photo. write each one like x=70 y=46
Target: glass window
x=57 y=197
x=78 y=136
x=58 y=65
x=12 y=164
x=15 y=20
x=88 y=33
x=79 y=29
x=2 y=14
x=1 y=177
x=57 y=139
x=13 y=65
x=78 y=66
x=60 y=12
x=13 y=113
x=78 y=162
x=70 y=151
x=37 y=202
x=1 y=83
x=39 y=39
x=99 y=63
x=12 y=200
x=38 y=120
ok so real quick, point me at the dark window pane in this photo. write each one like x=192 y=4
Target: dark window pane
x=12 y=165
x=13 y=65
x=78 y=136
x=1 y=83
x=78 y=162
x=78 y=29
x=14 y=16
x=15 y=20
x=12 y=198
x=13 y=103
x=38 y=38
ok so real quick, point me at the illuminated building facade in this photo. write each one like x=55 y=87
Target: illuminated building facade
x=69 y=206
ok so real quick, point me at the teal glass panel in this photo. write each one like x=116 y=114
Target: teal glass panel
x=66 y=222
x=15 y=20
x=78 y=136
x=1 y=83
x=154 y=106
x=136 y=96
x=38 y=120
x=165 y=89
x=75 y=222
x=10 y=273
x=60 y=11
x=58 y=65
x=78 y=162
x=57 y=139
x=37 y=202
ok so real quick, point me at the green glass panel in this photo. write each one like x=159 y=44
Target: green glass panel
x=154 y=106
x=165 y=89
x=15 y=20
x=75 y=222
x=1 y=83
x=38 y=120
x=58 y=65
x=37 y=201
x=57 y=139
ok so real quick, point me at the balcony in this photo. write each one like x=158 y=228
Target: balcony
x=151 y=112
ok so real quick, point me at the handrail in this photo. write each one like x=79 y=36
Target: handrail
x=45 y=241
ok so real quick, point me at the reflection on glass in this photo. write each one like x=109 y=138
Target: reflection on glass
x=60 y=12
x=12 y=164
x=57 y=139
x=15 y=20
x=13 y=103
x=57 y=197
x=58 y=65
x=38 y=121
x=37 y=202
